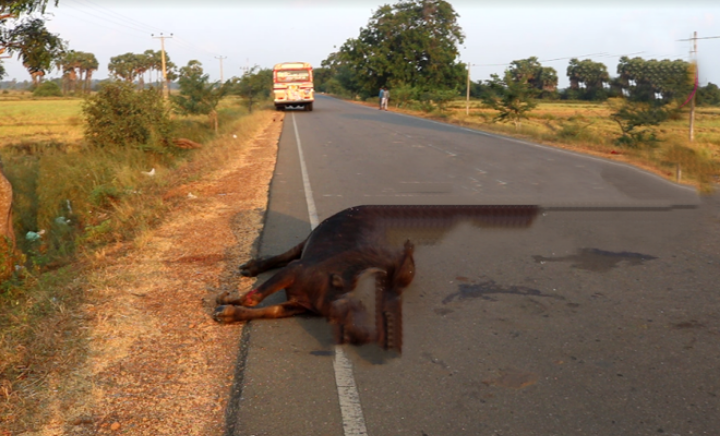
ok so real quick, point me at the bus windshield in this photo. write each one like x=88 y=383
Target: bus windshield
x=288 y=76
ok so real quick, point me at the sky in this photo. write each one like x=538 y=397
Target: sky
x=247 y=33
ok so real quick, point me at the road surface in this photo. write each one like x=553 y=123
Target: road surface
x=595 y=321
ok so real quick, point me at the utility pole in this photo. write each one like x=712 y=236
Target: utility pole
x=693 y=59
x=221 y=66
x=467 y=97
x=695 y=79
x=166 y=92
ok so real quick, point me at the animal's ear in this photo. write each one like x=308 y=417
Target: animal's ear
x=409 y=247
x=337 y=281
x=405 y=272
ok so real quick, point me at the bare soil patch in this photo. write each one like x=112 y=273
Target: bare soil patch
x=156 y=363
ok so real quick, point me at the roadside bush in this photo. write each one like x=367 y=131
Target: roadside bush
x=118 y=115
x=403 y=94
x=48 y=89
x=638 y=122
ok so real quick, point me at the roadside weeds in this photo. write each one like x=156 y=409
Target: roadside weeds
x=138 y=352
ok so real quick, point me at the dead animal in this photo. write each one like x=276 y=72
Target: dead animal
x=320 y=273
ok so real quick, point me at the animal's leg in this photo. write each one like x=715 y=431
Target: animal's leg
x=283 y=279
x=230 y=313
x=254 y=267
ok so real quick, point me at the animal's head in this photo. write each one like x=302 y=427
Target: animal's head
x=351 y=322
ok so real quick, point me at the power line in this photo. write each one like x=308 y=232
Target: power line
x=112 y=15
x=136 y=29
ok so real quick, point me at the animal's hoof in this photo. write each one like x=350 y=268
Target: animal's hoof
x=225 y=314
x=249 y=269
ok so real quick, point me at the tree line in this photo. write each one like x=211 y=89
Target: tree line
x=412 y=47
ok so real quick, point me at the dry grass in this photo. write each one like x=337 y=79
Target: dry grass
x=40 y=121
x=128 y=340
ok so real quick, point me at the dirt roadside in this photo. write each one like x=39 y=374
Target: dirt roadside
x=157 y=364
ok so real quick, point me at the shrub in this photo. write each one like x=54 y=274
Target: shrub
x=48 y=89
x=118 y=115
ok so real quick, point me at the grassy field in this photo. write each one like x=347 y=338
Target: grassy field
x=587 y=127
x=40 y=121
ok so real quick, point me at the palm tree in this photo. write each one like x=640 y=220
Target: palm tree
x=155 y=63
x=66 y=64
x=123 y=66
x=88 y=63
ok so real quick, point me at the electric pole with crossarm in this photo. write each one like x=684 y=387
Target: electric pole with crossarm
x=166 y=92
x=221 y=66
x=696 y=79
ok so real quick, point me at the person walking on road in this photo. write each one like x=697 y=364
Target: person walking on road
x=380 y=101
x=385 y=98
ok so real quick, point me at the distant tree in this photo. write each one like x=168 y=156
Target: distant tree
x=479 y=89
x=511 y=98
x=88 y=64
x=154 y=63
x=67 y=63
x=171 y=71
x=256 y=84
x=320 y=77
x=47 y=89
x=77 y=68
x=529 y=70
x=655 y=91
x=197 y=94
x=650 y=80
x=708 y=95
x=123 y=66
x=412 y=41
x=588 y=79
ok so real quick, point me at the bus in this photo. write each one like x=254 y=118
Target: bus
x=293 y=85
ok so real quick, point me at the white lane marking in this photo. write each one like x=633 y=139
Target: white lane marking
x=348 y=396
x=444 y=151
x=312 y=211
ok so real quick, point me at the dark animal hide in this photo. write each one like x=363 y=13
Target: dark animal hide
x=320 y=273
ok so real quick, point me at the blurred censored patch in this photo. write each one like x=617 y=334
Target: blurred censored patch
x=426 y=225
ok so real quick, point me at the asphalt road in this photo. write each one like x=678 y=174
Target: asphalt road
x=595 y=321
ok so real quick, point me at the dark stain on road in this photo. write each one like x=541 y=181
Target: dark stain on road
x=487 y=289
x=322 y=353
x=593 y=259
x=692 y=324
